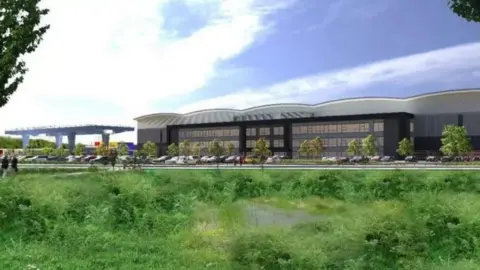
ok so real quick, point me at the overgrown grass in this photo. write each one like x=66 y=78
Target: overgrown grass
x=219 y=219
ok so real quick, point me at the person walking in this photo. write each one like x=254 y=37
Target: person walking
x=15 y=164
x=4 y=166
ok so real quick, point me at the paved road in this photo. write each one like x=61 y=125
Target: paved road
x=398 y=166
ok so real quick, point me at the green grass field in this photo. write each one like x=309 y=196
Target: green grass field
x=222 y=219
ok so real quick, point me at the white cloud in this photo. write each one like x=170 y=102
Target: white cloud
x=117 y=51
x=417 y=68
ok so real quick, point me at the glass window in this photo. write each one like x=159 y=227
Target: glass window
x=303 y=129
x=378 y=126
x=251 y=143
x=251 y=131
x=380 y=141
x=278 y=131
x=278 y=143
x=295 y=130
x=264 y=131
x=412 y=127
x=296 y=143
x=332 y=128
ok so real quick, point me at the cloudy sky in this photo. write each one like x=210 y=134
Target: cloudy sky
x=108 y=61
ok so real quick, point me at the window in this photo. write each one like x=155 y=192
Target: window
x=378 y=126
x=264 y=131
x=303 y=129
x=380 y=141
x=332 y=128
x=365 y=127
x=296 y=143
x=295 y=130
x=251 y=131
x=412 y=127
x=251 y=143
x=278 y=131
x=278 y=143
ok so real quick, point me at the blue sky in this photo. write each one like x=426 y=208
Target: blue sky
x=183 y=55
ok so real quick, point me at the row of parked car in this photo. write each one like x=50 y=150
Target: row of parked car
x=169 y=160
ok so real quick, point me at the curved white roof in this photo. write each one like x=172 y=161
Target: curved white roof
x=452 y=101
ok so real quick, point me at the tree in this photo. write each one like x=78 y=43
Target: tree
x=185 y=148
x=305 y=148
x=405 y=147
x=354 y=148
x=467 y=9
x=79 y=149
x=172 y=150
x=149 y=149
x=455 y=141
x=262 y=150
x=20 y=33
x=215 y=149
x=122 y=149
x=47 y=150
x=369 y=146
x=230 y=149
x=197 y=149
x=112 y=157
x=59 y=152
x=102 y=150
x=316 y=147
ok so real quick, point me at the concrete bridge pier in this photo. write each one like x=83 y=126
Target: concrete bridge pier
x=71 y=141
x=105 y=139
x=58 y=140
x=25 y=140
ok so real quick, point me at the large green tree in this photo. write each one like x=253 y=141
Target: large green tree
x=467 y=9
x=455 y=141
x=20 y=34
x=354 y=148
x=405 y=147
x=369 y=146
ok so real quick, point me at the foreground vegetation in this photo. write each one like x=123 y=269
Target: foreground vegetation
x=223 y=219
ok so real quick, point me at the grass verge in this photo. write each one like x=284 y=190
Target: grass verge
x=222 y=219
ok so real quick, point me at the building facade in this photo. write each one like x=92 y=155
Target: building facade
x=286 y=126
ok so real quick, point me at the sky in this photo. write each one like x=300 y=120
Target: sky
x=109 y=61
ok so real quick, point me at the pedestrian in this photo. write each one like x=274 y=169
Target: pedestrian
x=4 y=166
x=15 y=164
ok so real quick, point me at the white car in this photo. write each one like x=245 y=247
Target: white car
x=212 y=159
x=161 y=159
x=204 y=159
x=38 y=158
x=273 y=160
x=172 y=161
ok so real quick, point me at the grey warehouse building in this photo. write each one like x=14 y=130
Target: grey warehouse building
x=285 y=126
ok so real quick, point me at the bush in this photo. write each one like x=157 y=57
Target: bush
x=375 y=219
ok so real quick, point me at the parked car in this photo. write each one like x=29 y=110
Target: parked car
x=431 y=159
x=273 y=160
x=190 y=160
x=38 y=158
x=161 y=159
x=411 y=159
x=448 y=159
x=232 y=159
x=343 y=160
x=87 y=158
x=171 y=161
x=358 y=159
x=387 y=159
x=375 y=158
x=99 y=160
